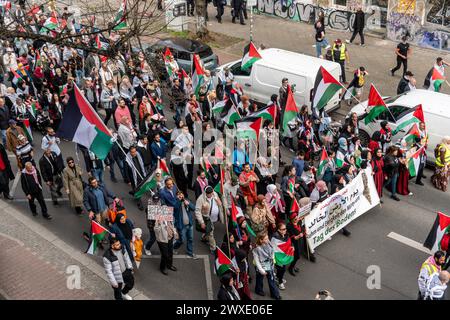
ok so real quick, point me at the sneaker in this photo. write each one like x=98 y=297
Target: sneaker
x=347 y=41
x=346 y=233
x=281 y=286
x=127 y=297
x=284 y=281
x=193 y=257
x=48 y=217
x=313 y=45
x=420 y=183
x=147 y=252
x=395 y=198
x=410 y=194
x=362 y=45
x=34 y=214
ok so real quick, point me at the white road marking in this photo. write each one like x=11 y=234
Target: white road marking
x=409 y=242
x=205 y=258
x=16 y=182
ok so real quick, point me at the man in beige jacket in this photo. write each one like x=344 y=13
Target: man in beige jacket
x=209 y=210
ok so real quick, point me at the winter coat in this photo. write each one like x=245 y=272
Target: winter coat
x=89 y=201
x=74 y=183
x=4 y=117
x=358 y=24
x=203 y=200
x=178 y=214
x=29 y=186
x=49 y=167
x=112 y=266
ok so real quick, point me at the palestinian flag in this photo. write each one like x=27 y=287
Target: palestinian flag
x=120 y=22
x=376 y=105
x=206 y=165
x=35 y=10
x=325 y=87
x=251 y=55
x=414 y=162
x=412 y=134
x=219 y=187
x=323 y=161
x=222 y=263
x=16 y=78
x=51 y=24
x=250 y=230
x=295 y=207
x=248 y=128
x=218 y=107
x=267 y=113
x=229 y=113
x=164 y=170
x=436 y=80
x=98 y=42
x=284 y=251
x=340 y=159
x=197 y=75
x=413 y=115
x=62 y=90
x=6 y=5
x=167 y=55
x=149 y=183
x=438 y=238
x=27 y=129
x=290 y=111
x=234 y=212
x=82 y=125
x=98 y=234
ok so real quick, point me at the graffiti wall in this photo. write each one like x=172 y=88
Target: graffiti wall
x=425 y=23
x=308 y=12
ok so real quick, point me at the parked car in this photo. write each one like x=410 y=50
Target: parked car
x=263 y=79
x=183 y=49
x=435 y=110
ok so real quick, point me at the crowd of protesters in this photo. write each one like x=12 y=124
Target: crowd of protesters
x=135 y=99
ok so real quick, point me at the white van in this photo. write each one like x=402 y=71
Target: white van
x=436 y=109
x=264 y=78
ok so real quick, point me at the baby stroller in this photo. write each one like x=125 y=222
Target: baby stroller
x=42 y=121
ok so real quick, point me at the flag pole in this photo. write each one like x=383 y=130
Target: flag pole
x=383 y=102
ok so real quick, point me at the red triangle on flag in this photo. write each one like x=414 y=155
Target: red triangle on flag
x=97 y=228
x=256 y=125
x=234 y=211
x=197 y=66
x=163 y=166
x=167 y=53
x=287 y=247
x=418 y=113
x=437 y=75
x=222 y=257
x=375 y=98
x=414 y=130
x=444 y=220
x=295 y=207
x=253 y=52
x=327 y=77
x=290 y=102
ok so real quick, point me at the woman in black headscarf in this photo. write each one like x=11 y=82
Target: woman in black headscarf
x=123 y=229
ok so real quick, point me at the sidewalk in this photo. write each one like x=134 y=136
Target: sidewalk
x=34 y=264
x=378 y=56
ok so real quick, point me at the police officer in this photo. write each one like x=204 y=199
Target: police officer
x=340 y=55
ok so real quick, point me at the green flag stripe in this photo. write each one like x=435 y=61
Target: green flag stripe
x=327 y=95
x=101 y=144
x=283 y=259
x=373 y=113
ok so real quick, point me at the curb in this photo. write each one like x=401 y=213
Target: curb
x=83 y=259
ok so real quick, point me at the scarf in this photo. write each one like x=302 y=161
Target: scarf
x=273 y=198
x=203 y=183
x=124 y=227
x=34 y=174
x=130 y=161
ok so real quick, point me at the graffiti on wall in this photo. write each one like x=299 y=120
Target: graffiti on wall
x=439 y=12
x=400 y=24
x=334 y=18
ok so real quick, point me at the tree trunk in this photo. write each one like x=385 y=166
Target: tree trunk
x=201 y=25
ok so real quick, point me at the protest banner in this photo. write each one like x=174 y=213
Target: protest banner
x=305 y=210
x=160 y=213
x=333 y=214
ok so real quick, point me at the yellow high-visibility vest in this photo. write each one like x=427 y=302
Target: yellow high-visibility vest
x=446 y=156
x=342 y=48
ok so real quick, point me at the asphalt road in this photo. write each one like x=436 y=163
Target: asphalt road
x=341 y=265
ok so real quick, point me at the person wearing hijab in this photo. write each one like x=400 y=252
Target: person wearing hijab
x=374 y=142
x=242 y=278
x=440 y=177
x=403 y=172
x=227 y=291
x=274 y=202
x=123 y=230
x=386 y=135
x=289 y=188
x=378 y=171
x=243 y=235
x=295 y=232
x=229 y=245
x=341 y=152
x=261 y=216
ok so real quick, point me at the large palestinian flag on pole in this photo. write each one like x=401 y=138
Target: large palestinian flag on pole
x=376 y=105
x=150 y=182
x=82 y=125
x=120 y=22
x=438 y=238
x=284 y=251
x=290 y=111
x=413 y=115
x=222 y=263
x=197 y=75
x=325 y=87
x=248 y=128
x=98 y=234
x=436 y=80
x=267 y=113
x=49 y=25
x=251 y=55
